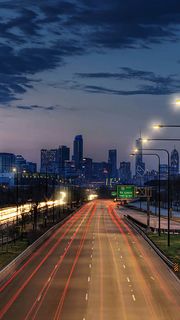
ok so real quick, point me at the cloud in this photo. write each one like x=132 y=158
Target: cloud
x=157 y=84
x=43 y=34
x=143 y=90
x=35 y=107
x=50 y=108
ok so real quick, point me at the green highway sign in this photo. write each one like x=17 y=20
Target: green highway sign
x=125 y=192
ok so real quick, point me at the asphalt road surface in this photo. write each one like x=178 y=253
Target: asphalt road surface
x=94 y=267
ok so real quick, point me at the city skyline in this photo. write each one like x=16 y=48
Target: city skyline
x=139 y=164
x=65 y=73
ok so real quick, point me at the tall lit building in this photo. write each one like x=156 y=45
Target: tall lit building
x=7 y=162
x=78 y=151
x=87 y=168
x=63 y=155
x=140 y=165
x=49 y=160
x=112 y=160
x=174 y=162
x=125 y=172
x=163 y=171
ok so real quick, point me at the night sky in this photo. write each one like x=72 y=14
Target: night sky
x=103 y=69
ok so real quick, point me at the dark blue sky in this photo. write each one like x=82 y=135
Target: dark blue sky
x=104 y=69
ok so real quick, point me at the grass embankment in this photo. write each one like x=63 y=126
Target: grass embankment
x=11 y=251
x=172 y=252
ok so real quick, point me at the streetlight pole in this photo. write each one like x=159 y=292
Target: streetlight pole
x=161 y=139
x=168 y=182
x=159 y=188
x=15 y=170
x=159 y=126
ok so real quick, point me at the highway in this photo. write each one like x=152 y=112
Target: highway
x=94 y=267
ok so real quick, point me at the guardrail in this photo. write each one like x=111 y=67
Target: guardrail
x=153 y=229
x=151 y=243
x=12 y=266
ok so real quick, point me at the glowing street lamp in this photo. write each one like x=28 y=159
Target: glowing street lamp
x=177 y=103
x=159 y=126
x=15 y=170
x=63 y=197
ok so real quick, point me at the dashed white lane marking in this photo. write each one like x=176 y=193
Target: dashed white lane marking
x=133 y=296
x=92 y=248
x=141 y=256
x=89 y=279
x=91 y=256
x=90 y=265
x=128 y=280
x=152 y=278
x=84 y=319
x=86 y=296
x=39 y=298
x=124 y=266
x=121 y=257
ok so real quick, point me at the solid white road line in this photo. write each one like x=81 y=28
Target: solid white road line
x=133 y=296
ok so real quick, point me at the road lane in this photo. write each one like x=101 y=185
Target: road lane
x=101 y=270
x=28 y=282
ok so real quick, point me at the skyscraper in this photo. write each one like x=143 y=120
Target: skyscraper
x=87 y=168
x=78 y=151
x=49 y=160
x=125 y=172
x=7 y=162
x=174 y=162
x=140 y=165
x=63 y=155
x=112 y=160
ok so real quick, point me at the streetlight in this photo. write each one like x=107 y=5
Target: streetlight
x=167 y=152
x=15 y=170
x=159 y=185
x=159 y=126
x=177 y=102
x=145 y=140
